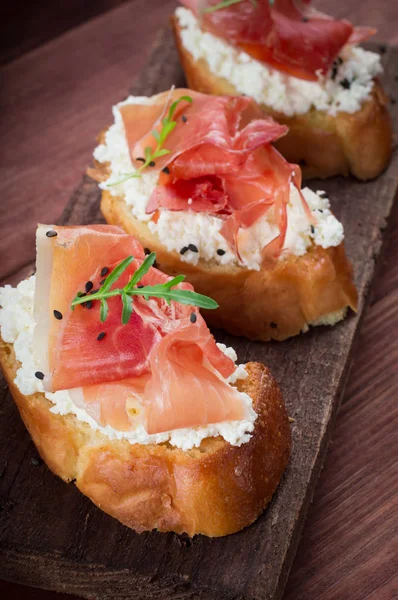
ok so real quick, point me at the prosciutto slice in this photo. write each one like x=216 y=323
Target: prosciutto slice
x=162 y=370
x=76 y=349
x=290 y=35
x=219 y=162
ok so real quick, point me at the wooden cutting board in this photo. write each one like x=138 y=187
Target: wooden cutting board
x=53 y=537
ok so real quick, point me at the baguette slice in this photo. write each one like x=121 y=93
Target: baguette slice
x=215 y=490
x=323 y=145
x=313 y=289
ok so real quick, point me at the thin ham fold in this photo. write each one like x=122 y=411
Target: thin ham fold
x=221 y=161
x=290 y=35
x=137 y=373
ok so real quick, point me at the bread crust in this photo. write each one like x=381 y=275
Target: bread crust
x=262 y=305
x=323 y=145
x=215 y=490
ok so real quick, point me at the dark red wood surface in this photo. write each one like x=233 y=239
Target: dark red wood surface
x=55 y=99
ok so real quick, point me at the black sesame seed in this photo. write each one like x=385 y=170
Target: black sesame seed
x=273 y=325
x=320 y=210
x=89 y=286
x=102 y=281
x=101 y=336
x=147 y=251
x=339 y=60
x=220 y=252
x=184 y=118
x=305 y=19
x=184 y=249
x=51 y=233
x=152 y=163
x=94 y=291
x=345 y=83
x=166 y=170
x=312 y=229
x=89 y=304
x=141 y=159
x=140 y=286
x=81 y=294
x=104 y=271
x=382 y=48
x=193 y=318
x=39 y=375
x=57 y=314
x=334 y=72
x=193 y=248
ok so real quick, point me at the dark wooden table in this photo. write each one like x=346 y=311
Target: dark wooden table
x=62 y=69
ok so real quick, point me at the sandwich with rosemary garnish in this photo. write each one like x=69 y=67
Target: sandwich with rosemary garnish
x=197 y=180
x=125 y=391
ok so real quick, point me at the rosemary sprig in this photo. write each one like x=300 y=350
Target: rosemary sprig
x=166 y=291
x=168 y=126
x=224 y=4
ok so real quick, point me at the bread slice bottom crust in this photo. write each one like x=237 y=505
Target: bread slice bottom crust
x=215 y=490
x=323 y=145
x=274 y=303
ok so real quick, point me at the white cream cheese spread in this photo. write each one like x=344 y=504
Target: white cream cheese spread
x=343 y=91
x=17 y=324
x=179 y=229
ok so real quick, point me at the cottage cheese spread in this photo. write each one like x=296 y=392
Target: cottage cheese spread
x=17 y=324
x=279 y=91
x=176 y=229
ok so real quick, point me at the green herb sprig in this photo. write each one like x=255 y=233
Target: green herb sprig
x=166 y=291
x=168 y=126
x=224 y=4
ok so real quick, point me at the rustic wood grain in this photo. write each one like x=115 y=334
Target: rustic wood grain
x=55 y=544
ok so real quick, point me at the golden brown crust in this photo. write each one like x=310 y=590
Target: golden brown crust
x=268 y=304
x=215 y=489
x=323 y=145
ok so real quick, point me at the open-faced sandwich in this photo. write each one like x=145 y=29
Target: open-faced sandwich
x=196 y=179
x=303 y=67
x=125 y=391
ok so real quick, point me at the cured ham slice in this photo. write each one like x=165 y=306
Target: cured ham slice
x=71 y=355
x=219 y=162
x=173 y=378
x=184 y=387
x=117 y=404
x=162 y=369
x=206 y=121
x=290 y=35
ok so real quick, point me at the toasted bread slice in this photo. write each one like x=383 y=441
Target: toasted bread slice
x=323 y=145
x=216 y=489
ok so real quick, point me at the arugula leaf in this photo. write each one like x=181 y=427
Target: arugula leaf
x=167 y=291
x=141 y=271
x=181 y=296
x=127 y=307
x=103 y=310
x=115 y=274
